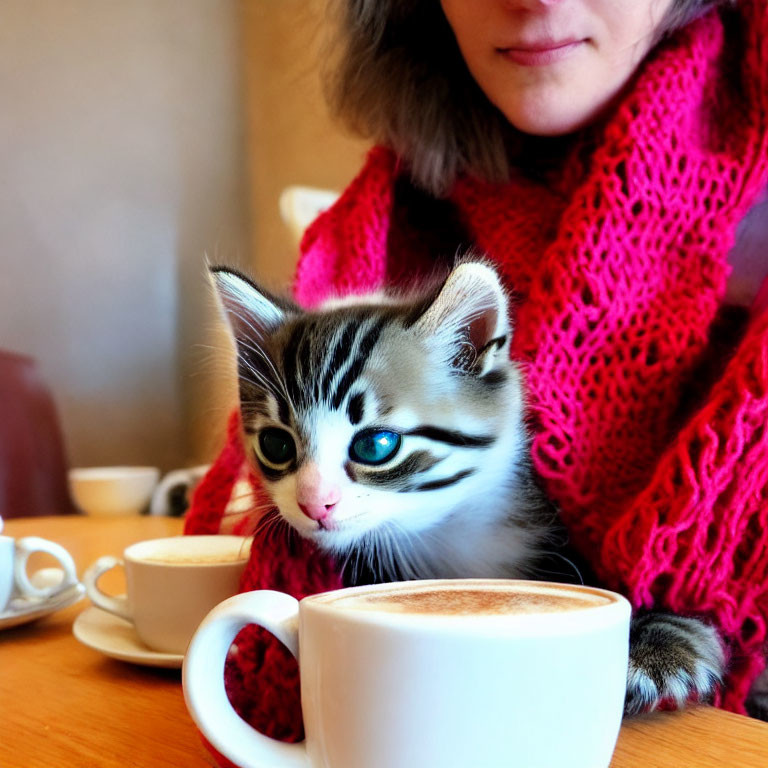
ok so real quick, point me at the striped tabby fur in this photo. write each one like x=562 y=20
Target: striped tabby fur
x=323 y=390
x=399 y=364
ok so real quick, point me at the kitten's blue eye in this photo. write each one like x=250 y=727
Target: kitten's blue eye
x=276 y=445
x=374 y=446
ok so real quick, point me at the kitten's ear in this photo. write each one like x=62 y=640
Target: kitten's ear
x=469 y=317
x=252 y=313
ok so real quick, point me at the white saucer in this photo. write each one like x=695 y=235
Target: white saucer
x=116 y=638
x=23 y=610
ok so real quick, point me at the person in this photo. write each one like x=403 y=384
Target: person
x=611 y=158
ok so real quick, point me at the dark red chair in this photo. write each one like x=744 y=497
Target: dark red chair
x=33 y=465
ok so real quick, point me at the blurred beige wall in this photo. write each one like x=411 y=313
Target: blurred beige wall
x=136 y=139
x=122 y=156
x=291 y=139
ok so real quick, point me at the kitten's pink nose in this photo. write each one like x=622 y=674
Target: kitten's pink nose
x=316 y=499
x=317 y=512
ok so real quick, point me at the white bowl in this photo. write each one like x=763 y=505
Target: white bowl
x=102 y=491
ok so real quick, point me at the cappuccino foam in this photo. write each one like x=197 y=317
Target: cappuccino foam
x=182 y=558
x=191 y=550
x=488 y=599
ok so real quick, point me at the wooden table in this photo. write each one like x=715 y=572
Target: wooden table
x=64 y=705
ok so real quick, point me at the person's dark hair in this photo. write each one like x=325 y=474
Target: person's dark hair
x=394 y=73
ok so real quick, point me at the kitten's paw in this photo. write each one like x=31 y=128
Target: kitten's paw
x=672 y=659
x=757 y=701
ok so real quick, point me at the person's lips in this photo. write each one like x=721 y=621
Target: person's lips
x=541 y=52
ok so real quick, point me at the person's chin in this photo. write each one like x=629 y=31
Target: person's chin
x=550 y=117
x=560 y=109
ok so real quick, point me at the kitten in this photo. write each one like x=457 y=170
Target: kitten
x=389 y=430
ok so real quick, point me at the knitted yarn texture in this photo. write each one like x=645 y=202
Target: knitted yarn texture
x=619 y=272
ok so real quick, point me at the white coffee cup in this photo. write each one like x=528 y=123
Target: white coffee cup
x=433 y=674
x=14 y=579
x=108 y=491
x=172 y=583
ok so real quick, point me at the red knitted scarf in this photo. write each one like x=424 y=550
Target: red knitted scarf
x=619 y=272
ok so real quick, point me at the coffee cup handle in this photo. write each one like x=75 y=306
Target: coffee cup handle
x=118 y=604
x=24 y=548
x=203 y=678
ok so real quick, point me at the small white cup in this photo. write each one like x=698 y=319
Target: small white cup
x=171 y=583
x=446 y=685
x=103 y=491
x=14 y=580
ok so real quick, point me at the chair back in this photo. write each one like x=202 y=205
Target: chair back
x=33 y=466
x=301 y=205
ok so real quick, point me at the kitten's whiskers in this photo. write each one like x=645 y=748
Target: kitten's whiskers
x=263 y=355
